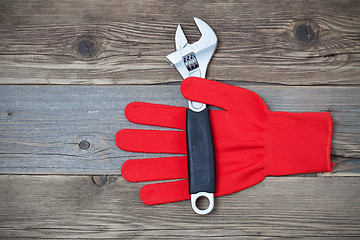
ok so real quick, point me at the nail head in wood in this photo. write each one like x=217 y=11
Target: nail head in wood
x=84 y=145
x=86 y=48
x=100 y=180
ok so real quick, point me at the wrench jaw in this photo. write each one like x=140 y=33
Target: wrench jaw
x=180 y=39
x=208 y=39
x=193 y=59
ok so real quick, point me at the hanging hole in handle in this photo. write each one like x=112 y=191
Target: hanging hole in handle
x=202 y=203
x=196 y=199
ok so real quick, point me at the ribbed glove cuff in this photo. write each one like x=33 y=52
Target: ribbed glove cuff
x=298 y=143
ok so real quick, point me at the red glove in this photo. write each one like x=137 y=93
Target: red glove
x=250 y=142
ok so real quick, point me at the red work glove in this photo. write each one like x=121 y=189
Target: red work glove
x=250 y=142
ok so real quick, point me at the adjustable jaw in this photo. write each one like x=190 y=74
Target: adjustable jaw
x=193 y=59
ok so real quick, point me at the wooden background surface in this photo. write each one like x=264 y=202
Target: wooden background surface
x=68 y=69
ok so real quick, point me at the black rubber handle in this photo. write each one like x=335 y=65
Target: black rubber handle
x=200 y=152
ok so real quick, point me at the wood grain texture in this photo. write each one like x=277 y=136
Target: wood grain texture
x=125 y=42
x=62 y=137
x=71 y=129
x=279 y=207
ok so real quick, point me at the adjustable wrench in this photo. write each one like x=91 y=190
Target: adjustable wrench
x=192 y=60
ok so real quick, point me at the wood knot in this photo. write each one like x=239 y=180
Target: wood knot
x=99 y=180
x=9 y=114
x=86 y=48
x=84 y=145
x=305 y=32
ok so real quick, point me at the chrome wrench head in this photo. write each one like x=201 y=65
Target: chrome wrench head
x=193 y=59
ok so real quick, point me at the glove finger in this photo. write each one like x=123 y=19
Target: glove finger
x=159 y=193
x=156 y=115
x=151 y=141
x=162 y=115
x=220 y=94
x=154 y=169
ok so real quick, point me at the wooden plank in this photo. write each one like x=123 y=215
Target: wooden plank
x=43 y=127
x=279 y=207
x=125 y=42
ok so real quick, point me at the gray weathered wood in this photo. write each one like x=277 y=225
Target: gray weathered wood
x=279 y=207
x=70 y=130
x=125 y=42
x=41 y=127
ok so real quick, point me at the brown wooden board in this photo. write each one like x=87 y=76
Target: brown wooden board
x=71 y=129
x=279 y=207
x=125 y=42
